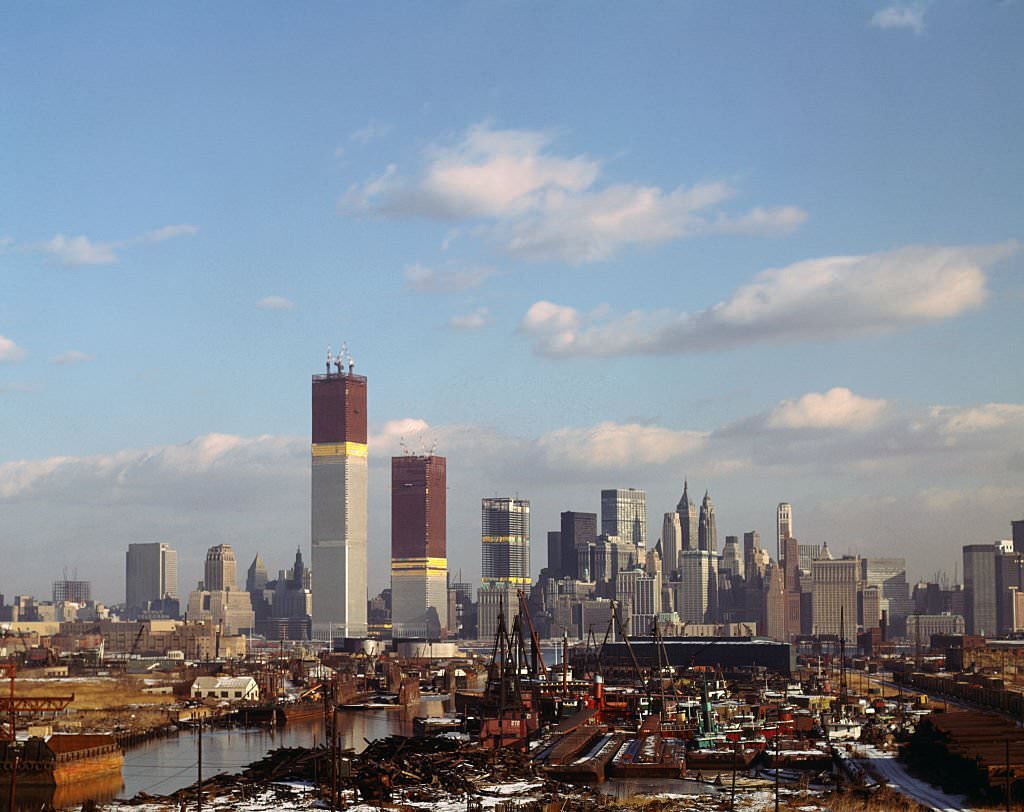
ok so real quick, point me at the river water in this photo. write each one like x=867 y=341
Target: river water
x=161 y=766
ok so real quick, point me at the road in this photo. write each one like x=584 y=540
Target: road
x=885 y=766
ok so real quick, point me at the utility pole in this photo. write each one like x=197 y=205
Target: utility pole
x=199 y=767
x=732 y=800
x=778 y=762
x=1007 y=743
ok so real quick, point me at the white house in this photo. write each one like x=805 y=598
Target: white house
x=233 y=689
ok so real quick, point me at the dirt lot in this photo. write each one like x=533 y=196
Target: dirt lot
x=102 y=703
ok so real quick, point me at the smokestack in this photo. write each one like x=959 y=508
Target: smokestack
x=884 y=622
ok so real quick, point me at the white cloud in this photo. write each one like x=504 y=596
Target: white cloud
x=539 y=205
x=372 y=131
x=818 y=299
x=72 y=357
x=9 y=351
x=168 y=232
x=275 y=303
x=81 y=250
x=617 y=445
x=423 y=279
x=984 y=418
x=470 y=321
x=909 y=16
x=838 y=408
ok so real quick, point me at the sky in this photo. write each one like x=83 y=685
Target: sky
x=771 y=248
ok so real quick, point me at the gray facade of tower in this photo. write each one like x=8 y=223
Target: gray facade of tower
x=151 y=574
x=339 y=502
x=707 y=530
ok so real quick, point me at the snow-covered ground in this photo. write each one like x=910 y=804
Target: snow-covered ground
x=884 y=765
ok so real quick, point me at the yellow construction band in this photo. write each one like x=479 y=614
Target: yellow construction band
x=503 y=539
x=339 y=449
x=516 y=581
x=419 y=564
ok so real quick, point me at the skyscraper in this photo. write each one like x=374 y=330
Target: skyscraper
x=419 y=563
x=707 y=532
x=624 y=514
x=687 y=510
x=505 y=542
x=221 y=570
x=980 y=596
x=151 y=574
x=783 y=528
x=834 y=596
x=579 y=533
x=338 y=503
x=671 y=542
x=73 y=591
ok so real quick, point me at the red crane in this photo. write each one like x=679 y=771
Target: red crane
x=12 y=704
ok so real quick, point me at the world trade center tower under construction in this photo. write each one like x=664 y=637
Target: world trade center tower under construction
x=338 y=504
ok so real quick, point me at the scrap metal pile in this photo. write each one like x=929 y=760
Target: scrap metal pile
x=419 y=768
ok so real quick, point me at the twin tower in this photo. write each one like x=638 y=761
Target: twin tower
x=339 y=501
x=419 y=567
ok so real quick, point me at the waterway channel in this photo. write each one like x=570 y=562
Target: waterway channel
x=161 y=766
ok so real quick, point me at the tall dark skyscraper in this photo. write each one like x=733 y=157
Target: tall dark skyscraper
x=338 y=503
x=151 y=574
x=707 y=532
x=687 y=510
x=1018 y=536
x=419 y=563
x=579 y=533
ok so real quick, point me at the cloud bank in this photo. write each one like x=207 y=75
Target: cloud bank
x=818 y=299
x=535 y=204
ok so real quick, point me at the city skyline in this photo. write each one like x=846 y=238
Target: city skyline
x=775 y=252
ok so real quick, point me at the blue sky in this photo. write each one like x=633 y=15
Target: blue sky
x=543 y=233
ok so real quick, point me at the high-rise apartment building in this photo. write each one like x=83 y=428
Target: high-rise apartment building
x=220 y=570
x=688 y=519
x=505 y=541
x=624 y=514
x=579 y=533
x=151 y=574
x=707 y=531
x=783 y=527
x=419 y=563
x=338 y=503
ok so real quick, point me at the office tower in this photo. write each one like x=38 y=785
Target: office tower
x=890 y=576
x=338 y=500
x=751 y=543
x=732 y=557
x=791 y=577
x=671 y=543
x=218 y=601
x=707 y=533
x=783 y=527
x=624 y=514
x=579 y=532
x=808 y=552
x=774 y=604
x=151 y=575
x=697 y=587
x=872 y=606
x=419 y=563
x=555 y=554
x=256 y=576
x=221 y=570
x=834 y=587
x=72 y=591
x=505 y=537
x=612 y=556
x=1018 y=535
x=687 y=510
x=980 y=588
x=1009 y=584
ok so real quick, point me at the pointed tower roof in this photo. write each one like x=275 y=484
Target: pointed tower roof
x=684 y=500
x=257 y=563
x=826 y=553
